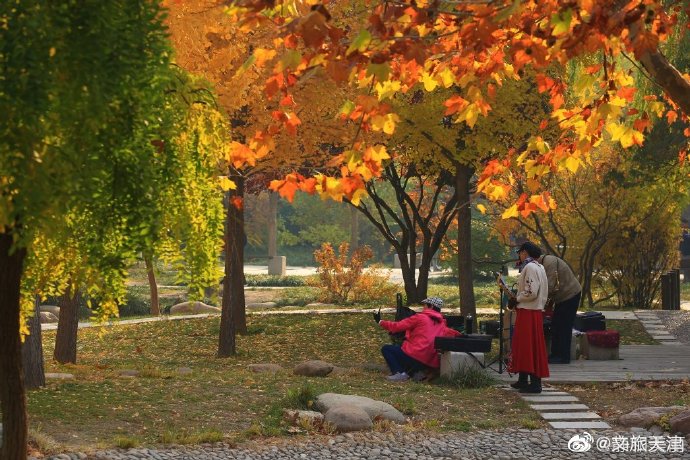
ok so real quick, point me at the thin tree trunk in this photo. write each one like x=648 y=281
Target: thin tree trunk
x=12 y=397
x=32 y=353
x=153 y=287
x=463 y=175
x=354 y=229
x=272 y=225
x=237 y=260
x=68 y=326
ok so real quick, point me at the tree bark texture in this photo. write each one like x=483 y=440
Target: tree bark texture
x=12 y=397
x=463 y=176
x=68 y=325
x=272 y=225
x=32 y=353
x=668 y=77
x=153 y=287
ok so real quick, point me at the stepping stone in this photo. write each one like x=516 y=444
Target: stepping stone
x=570 y=416
x=554 y=393
x=549 y=399
x=664 y=337
x=558 y=407
x=671 y=342
x=579 y=425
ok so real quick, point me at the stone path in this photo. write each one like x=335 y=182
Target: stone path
x=484 y=445
x=562 y=410
x=656 y=328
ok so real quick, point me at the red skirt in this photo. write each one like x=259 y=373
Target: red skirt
x=528 y=353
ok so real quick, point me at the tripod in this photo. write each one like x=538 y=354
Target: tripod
x=501 y=359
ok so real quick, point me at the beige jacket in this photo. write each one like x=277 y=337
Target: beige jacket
x=558 y=269
x=533 y=287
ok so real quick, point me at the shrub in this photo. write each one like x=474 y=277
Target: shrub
x=342 y=279
x=275 y=280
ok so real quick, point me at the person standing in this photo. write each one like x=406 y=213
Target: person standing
x=528 y=356
x=417 y=353
x=565 y=290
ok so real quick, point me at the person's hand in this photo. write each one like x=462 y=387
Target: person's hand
x=377 y=317
x=512 y=302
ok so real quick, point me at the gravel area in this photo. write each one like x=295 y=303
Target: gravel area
x=677 y=322
x=506 y=444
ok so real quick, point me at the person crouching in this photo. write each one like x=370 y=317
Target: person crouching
x=417 y=353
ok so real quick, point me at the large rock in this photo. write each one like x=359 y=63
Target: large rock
x=376 y=409
x=261 y=305
x=192 y=308
x=313 y=368
x=646 y=416
x=265 y=368
x=348 y=418
x=47 y=317
x=680 y=423
x=54 y=309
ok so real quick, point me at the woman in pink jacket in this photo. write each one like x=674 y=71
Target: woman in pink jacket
x=417 y=352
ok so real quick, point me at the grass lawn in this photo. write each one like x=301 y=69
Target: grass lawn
x=221 y=398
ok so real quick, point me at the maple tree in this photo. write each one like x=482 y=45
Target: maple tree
x=474 y=46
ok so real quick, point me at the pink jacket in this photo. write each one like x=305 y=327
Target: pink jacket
x=420 y=332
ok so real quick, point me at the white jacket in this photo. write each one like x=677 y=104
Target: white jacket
x=533 y=287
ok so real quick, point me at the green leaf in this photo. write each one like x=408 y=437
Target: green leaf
x=561 y=22
x=360 y=43
x=380 y=71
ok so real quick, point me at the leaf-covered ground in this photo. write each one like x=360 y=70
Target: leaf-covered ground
x=221 y=395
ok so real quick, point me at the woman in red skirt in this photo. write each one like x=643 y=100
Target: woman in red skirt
x=528 y=356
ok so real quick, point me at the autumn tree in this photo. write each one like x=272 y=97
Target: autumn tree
x=77 y=81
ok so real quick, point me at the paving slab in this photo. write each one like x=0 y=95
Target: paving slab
x=550 y=399
x=664 y=337
x=579 y=425
x=570 y=416
x=558 y=407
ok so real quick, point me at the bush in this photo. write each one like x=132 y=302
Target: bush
x=342 y=279
x=275 y=280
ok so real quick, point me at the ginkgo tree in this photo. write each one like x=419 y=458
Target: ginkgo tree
x=474 y=46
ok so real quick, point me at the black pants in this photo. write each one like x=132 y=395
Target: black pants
x=562 y=327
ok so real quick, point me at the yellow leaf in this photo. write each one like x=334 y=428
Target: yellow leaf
x=469 y=115
x=626 y=135
x=481 y=208
x=447 y=78
x=377 y=153
x=387 y=89
x=572 y=163
x=226 y=184
x=358 y=195
x=510 y=212
x=385 y=123
x=429 y=82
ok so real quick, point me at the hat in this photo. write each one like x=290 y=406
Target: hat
x=532 y=249
x=434 y=302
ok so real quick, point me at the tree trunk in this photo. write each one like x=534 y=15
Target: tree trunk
x=12 y=397
x=354 y=229
x=68 y=325
x=669 y=78
x=153 y=287
x=237 y=258
x=32 y=353
x=272 y=225
x=463 y=175
x=233 y=317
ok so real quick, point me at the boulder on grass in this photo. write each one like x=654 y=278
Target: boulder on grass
x=192 y=308
x=54 y=309
x=376 y=409
x=265 y=368
x=348 y=418
x=314 y=368
x=47 y=317
x=295 y=416
x=261 y=305
x=645 y=417
x=680 y=423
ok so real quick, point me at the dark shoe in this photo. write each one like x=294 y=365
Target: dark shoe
x=554 y=360
x=521 y=382
x=534 y=386
x=531 y=389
